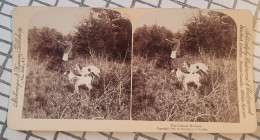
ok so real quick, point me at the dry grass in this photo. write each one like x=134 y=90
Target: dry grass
x=158 y=96
x=49 y=95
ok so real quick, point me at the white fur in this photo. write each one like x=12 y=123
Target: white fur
x=79 y=80
x=185 y=78
x=87 y=70
x=194 y=68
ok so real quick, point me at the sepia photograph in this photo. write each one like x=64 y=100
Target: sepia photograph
x=184 y=67
x=78 y=65
x=116 y=69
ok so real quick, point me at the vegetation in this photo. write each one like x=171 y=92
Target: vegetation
x=211 y=33
x=104 y=32
x=159 y=96
x=208 y=38
x=103 y=40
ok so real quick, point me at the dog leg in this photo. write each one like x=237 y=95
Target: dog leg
x=185 y=86
x=198 y=84
x=89 y=87
x=76 y=88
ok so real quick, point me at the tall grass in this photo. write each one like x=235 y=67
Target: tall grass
x=49 y=95
x=158 y=96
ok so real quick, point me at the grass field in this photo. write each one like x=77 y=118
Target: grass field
x=158 y=96
x=49 y=95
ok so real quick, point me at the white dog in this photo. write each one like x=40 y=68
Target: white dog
x=194 y=68
x=87 y=70
x=79 y=80
x=186 y=78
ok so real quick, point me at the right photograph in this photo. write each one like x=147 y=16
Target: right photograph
x=185 y=67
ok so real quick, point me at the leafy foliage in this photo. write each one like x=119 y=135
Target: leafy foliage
x=149 y=42
x=103 y=40
x=209 y=38
x=105 y=32
x=212 y=33
x=43 y=43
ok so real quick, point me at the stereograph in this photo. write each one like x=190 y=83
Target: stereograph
x=132 y=70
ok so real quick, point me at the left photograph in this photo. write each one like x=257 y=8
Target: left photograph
x=78 y=65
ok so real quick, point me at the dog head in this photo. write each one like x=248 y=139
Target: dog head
x=66 y=73
x=77 y=67
x=91 y=74
x=94 y=70
x=174 y=70
x=69 y=74
x=186 y=64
